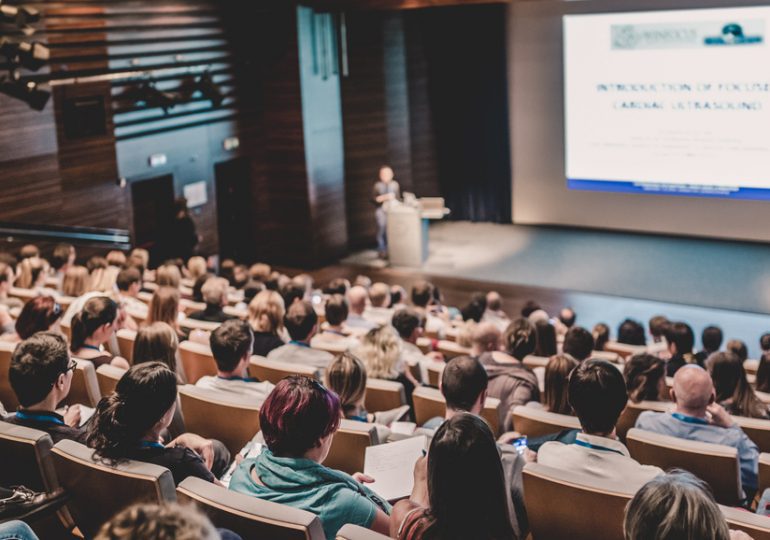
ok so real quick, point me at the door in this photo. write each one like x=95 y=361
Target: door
x=234 y=216
x=153 y=206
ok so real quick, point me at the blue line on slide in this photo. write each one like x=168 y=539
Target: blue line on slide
x=669 y=189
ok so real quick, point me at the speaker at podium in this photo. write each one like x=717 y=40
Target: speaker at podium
x=407 y=229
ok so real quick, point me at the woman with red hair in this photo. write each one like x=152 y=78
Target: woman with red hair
x=40 y=314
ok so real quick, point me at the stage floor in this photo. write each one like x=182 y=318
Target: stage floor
x=607 y=276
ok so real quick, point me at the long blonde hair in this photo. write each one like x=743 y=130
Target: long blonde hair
x=30 y=270
x=266 y=312
x=168 y=275
x=346 y=377
x=196 y=267
x=104 y=279
x=75 y=281
x=164 y=306
x=380 y=351
x=156 y=342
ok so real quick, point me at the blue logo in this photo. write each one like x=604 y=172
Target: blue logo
x=732 y=34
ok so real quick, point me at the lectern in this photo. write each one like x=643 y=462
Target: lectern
x=408 y=229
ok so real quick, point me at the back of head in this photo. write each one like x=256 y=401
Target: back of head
x=260 y=272
x=738 y=347
x=337 y=286
x=406 y=321
x=292 y=292
x=730 y=383
x=357 y=299
x=494 y=301
x=168 y=275
x=75 y=281
x=143 y=395
x=644 y=374
x=127 y=277
x=658 y=326
x=681 y=336
x=336 y=310
x=601 y=335
x=546 y=338
x=630 y=332
x=764 y=342
x=557 y=372
x=567 y=317
x=116 y=258
x=197 y=294
x=38 y=315
x=36 y=364
x=156 y=342
x=28 y=251
x=380 y=351
x=763 y=373
x=61 y=255
x=379 y=294
x=164 y=306
x=230 y=342
x=297 y=414
x=466 y=484
x=197 y=266
x=579 y=343
x=169 y=521
x=693 y=388
x=462 y=382
x=346 y=376
x=422 y=294
x=674 y=506
x=485 y=337
x=530 y=306
x=30 y=271
x=597 y=394
x=266 y=312
x=300 y=320
x=140 y=255
x=215 y=291
x=520 y=338
x=97 y=312
x=712 y=338
x=475 y=308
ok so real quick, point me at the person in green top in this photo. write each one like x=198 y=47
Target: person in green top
x=298 y=421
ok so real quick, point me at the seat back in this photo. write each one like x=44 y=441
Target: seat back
x=7 y=395
x=356 y=532
x=27 y=458
x=751 y=366
x=450 y=349
x=195 y=324
x=249 y=516
x=430 y=403
x=349 y=445
x=330 y=346
x=715 y=464
x=623 y=350
x=98 y=491
x=85 y=386
x=757 y=430
x=565 y=504
x=271 y=370
x=757 y=527
x=435 y=370
x=764 y=471
x=197 y=360
x=107 y=377
x=534 y=422
x=382 y=395
x=533 y=361
x=632 y=411
x=231 y=419
x=126 y=339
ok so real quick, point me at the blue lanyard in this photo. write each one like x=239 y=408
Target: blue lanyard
x=244 y=379
x=40 y=417
x=596 y=447
x=299 y=343
x=150 y=444
x=690 y=419
x=93 y=347
x=362 y=418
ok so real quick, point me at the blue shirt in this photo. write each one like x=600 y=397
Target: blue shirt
x=696 y=429
x=335 y=497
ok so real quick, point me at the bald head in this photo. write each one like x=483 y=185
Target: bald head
x=494 y=301
x=357 y=299
x=693 y=389
x=485 y=337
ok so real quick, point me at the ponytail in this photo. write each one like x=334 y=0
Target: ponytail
x=520 y=338
x=97 y=312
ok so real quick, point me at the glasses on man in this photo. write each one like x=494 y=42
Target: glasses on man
x=71 y=366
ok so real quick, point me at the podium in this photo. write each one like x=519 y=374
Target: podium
x=408 y=229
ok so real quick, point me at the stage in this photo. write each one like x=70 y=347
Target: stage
x=605 y=276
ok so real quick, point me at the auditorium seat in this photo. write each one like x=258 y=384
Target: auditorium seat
x=235 y=312
x=355 y=532
x=533 y=361
x=188 y=306
x=382 y=395
x=234 y=420
x=609 y=356
x=332 y=347
x=66 y=329
x=263 y=369
x=126 y=340
x=757 y=429
x=97 y=490
x=435 y=369
x=425 y=344
x=565 y=504
x=715 y=464
x=450 y=349
x=430 y=403
x=764 y=471
x=85 y=385
x=195 y=324
x=25 y=295
x=751 y=366
x=7 y=395
x=756 y=526
x=623 y=350
x=534 y=422
x=26 y=458
x=764 y=397
x=107 y=377
x=349 y=446
x=249 y=516
x=197 y=360
x=632 y=411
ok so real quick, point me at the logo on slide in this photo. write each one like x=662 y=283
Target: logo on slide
x=732 y=34
x=685 y=35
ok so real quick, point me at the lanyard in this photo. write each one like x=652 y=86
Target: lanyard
x=93 y=347
x=40 y=417
x=689 y=419
x=596 y=447
x=150 y=444
x=244 y=379
x=299 y=343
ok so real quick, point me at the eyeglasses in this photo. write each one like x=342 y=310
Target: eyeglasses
x=71 y=366
x=56 y=309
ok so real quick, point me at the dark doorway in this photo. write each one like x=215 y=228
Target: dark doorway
x=153 y=205
x=235 y=222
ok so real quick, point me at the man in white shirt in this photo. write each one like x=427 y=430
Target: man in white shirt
x=301 y=322
x=597 y=394
x=231 y=345
x=378 y=311
x=356 y=306
x=494 y=313
x=408 y=324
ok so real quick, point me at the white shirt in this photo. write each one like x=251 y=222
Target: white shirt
x=298 y=354
x=498 y=318
x=599 y=457
x=240 y=387
x=378 y=315
x=357 y=322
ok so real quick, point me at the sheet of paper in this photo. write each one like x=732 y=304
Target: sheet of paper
x=403 y=428
x=85 y=414
x=392 y=466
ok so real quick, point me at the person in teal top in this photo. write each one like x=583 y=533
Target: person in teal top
x=298 y=421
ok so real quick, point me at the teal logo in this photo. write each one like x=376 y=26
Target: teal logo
x=732 y=34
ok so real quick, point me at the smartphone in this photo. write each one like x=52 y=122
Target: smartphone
x=520 y=445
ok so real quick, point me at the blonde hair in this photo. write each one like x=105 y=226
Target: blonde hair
x=260 y=272
x=214 y=291
x=169 y=521
x=266 y=312
x=104 y=279
x=346 y=377
x=156 y=342
x=196 y=266
x=75 y=281
x=141 y=255
x=379 y=294
x=168 y=275
x=116 y=258
x=30 y=270
x=164 y=306
x=380 y=351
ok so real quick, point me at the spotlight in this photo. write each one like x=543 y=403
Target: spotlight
x=28 y=92
x=28 y=55
x=210 y=90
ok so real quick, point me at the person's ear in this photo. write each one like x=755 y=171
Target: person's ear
x=672 y=394
x=712 y=397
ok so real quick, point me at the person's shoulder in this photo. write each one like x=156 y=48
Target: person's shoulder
x=650 y=417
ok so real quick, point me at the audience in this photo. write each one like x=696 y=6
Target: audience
x=380 y=351
x=763 y=373
x=40 y=314
x=378 y=310
x=164 y=307
x=298 y=421
x=409 y=326
x=7 y=278
x=423 y=297
x=301 y=322
x=698 y=417
x=357 y=297
x=711 y=337
x=92 y=328
x=494 y=311
x=631 y=332
x=578 y=343
x=169 y=521
x=168 y=275
x=215 y=296
x=128 y=424
x=157 y=342
x=601 y=335
x=231 y=345
x=557 y=372
x=485 y=338
x=733 y=391
x=546 y=339
x=266 y=314
x=464 y=383
x=32 y=273
x=680 y=345
x=645 y=378
x=475 y=309
x=62 y=259
x=75 y=281
x=738 y=347
x=129 y=283
x=196 y=267
x=334 y=333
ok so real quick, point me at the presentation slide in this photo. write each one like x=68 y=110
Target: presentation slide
x=670 y=102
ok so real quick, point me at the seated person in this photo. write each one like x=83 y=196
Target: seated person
x=509 y=380
x=459 y=489
x=92 y=328
x=380 y=351
x=266 y=314
x=738 y=348
x=129 y=422
x=631 y=332
x=357 y=297
x=697 y=417
x=711 y=337
x=681 y=341
x=601 y=335
x=557 y=372
x=597 y=394
x=546 y=339
x=378 y=311
x=493 y=313
x=215 y=295
x=645 y=378
x=733 y=391
x=578 y=343
x=336 y=312
x=763 y=373
x=231 y=346
x=409 y=325
x=41 y=375
x=301 y=322
x=464 y=387
x=423 y=298
x=129 y=283
x=7 y=278
x=298 y=421
x=40 y=314
x=485 y=338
